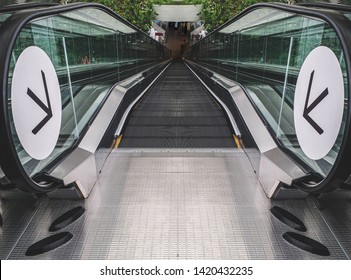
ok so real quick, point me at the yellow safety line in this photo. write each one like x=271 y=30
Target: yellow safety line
x=237 y=141
x=118 y=141
x=242 y=146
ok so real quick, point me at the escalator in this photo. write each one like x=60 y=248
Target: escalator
x=258 y=54
x=161 y=159
x=177 y=112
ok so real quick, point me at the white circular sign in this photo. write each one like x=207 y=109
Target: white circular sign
x=36 y=102
x=319 y=103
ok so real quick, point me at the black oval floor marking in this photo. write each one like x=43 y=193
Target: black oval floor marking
x=49 y=243
x=288 y=218
x=67 y=218
x=306 y=243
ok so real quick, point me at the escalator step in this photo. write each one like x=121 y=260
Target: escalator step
x=178 y=131
x=172 y=142
x=189 y=121
x=177 y=112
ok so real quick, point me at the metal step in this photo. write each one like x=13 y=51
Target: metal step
x=177 y=112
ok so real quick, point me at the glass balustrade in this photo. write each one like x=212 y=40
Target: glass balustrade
x=91 y=50
x=264 y=51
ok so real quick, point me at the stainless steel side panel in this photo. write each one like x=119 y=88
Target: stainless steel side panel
x=275 y=166
x=80 y=166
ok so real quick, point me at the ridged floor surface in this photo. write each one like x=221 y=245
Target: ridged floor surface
x=177 y=112
x=173 y=204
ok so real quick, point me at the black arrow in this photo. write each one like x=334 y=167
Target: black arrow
x=307 y=109
x=46 y=109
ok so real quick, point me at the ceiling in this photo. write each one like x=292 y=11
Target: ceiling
x=180 y=13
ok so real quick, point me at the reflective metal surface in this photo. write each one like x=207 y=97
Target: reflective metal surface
x=175 y=204
x=80 y=166
x=271 y=159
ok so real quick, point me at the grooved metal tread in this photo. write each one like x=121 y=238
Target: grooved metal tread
x=177 y=112
x=175 y=204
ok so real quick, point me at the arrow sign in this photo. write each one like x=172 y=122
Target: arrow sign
x=319 y=103
x=36 y=103
x=308 y=109
x=46 y=109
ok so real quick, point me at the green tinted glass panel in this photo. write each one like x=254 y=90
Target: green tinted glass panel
x=91 y=51
x=264 y=51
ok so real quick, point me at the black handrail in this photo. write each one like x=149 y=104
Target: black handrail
x=341 y=168
x=9 y=31
x=18 y=7
x=11 y=28
x=328 y=6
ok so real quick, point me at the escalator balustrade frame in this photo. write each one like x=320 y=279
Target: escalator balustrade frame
x=9 y=31
x=341 y=169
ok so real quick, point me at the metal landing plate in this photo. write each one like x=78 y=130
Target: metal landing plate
x=173 y=204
